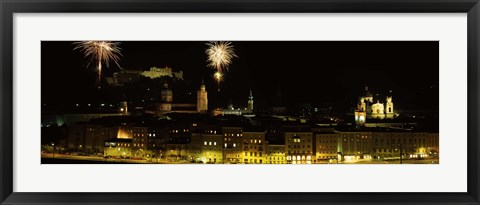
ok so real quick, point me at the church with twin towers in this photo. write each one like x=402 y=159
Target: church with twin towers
x=367 y=108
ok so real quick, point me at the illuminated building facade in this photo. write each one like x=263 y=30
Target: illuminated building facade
x=130 y=76
x=176 y=152
x=195 y=148
x=326 y=147
x=409 y=144
x=76 y=136
x=95 y=137
x=299 y=147
x=232 y=144
x=254 y=148
x=116 y=147
x=231 y=110
x=201 y=142
x=355 y=145
x=155 y=72
x=276 y=154
x=139 y=140
x=433 y=147
x=157 y=138
x=212 y=149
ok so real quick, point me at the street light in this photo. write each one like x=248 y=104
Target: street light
x=53 y=151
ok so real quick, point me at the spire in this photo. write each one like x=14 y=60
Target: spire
x=250 y=101
x=202 y=86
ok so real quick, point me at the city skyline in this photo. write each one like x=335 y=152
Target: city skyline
x=240 y=102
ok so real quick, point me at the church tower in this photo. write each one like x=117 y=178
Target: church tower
x=366 y=101
x=166 y=99
x=389 y=114
x=202 y=98
x=250 y=101
x=360 y=116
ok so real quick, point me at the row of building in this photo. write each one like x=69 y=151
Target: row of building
x=200 y=143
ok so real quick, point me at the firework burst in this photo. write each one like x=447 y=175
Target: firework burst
x=100 y=52
x=220 y=55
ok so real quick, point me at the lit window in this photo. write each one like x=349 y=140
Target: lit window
x=209 y=143
x=260 y=141
x=205 y=143
x=214 y=143
x=234 y=145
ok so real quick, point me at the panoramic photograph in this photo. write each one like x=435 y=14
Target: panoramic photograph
x=240 y=102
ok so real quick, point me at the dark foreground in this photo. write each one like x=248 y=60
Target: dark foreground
x=47 y=160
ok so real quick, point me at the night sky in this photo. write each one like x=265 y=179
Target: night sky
x=303 y=71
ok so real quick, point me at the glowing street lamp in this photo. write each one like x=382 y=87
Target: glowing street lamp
x=53 y=150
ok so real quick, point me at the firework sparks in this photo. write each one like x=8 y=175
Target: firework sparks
x=100 y=52
x=218 y=76
x=220 y=55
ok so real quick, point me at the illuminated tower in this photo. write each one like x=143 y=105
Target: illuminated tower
x=124 y=108
x=166 y=98
x=202 y=99
x=366 y=100
x=360 y=115
x=250 y=101
x=389 y=114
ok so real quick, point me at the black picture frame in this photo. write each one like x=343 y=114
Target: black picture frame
x=10 y=7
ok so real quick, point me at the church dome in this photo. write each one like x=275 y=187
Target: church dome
x=368 y=94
